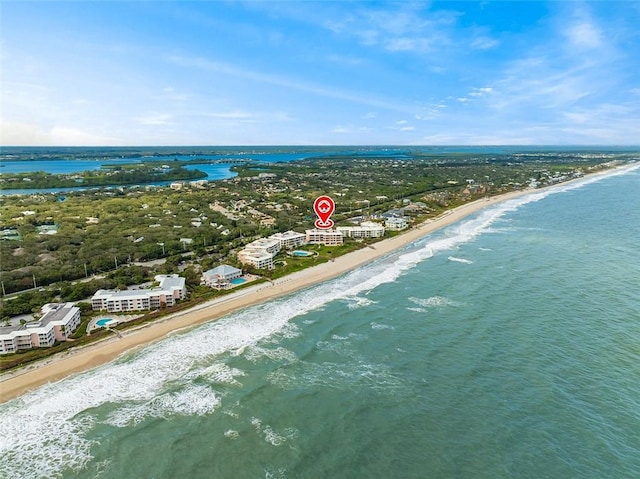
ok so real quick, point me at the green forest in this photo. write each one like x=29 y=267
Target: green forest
x=66 y=247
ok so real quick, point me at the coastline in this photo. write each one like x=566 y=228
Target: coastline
x=19 y=382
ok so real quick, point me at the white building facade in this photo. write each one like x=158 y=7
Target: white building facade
x=260 y=253
x=221 y=276
x=58 y=322
x=325 y=237
x=367 y=229
x=396 y=223
x=171 y=289
x=290 y=239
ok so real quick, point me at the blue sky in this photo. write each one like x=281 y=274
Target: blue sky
x=329 y=72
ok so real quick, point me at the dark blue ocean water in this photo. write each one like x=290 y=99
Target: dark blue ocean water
x=504 y=346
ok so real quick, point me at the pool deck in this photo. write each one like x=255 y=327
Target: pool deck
x=114 y=320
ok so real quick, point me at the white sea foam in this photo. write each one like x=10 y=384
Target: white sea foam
x=417 y=310
x=43 y=432
x=433 y=302
x=459 y=260
x=375 y=325
x=354 y=372
x=356 y=302
x=192 y=400
x=256 y=353
x=271 y=436
x=218 y=373
x=278 y=473
x=231 y=434
x=48 y=443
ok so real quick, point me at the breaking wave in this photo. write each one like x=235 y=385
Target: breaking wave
x=45 y=432
x=459 y=260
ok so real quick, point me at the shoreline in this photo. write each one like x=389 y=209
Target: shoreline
x=16 y=383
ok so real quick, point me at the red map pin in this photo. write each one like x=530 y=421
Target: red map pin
x=324 y=207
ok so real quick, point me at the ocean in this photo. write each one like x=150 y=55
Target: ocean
x=504 y=346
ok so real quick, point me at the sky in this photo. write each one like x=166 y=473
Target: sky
x=134 y=73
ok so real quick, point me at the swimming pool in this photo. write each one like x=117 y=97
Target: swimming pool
x=301 y=253
x=238 y=281
x=103 y=322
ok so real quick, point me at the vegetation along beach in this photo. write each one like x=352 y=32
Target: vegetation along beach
x=319 y=239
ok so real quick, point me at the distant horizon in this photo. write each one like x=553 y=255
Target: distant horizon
x=338 y=145
x=129 y=73
x=319 y=146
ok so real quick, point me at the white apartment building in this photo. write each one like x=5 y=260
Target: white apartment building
x=259 y=260
x=172 y=288
x=325 y=237
x=58 y=322
x=290 y=239
x=367 y=229
x=260 y=253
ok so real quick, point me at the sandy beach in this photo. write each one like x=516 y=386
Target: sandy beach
x=18 y=382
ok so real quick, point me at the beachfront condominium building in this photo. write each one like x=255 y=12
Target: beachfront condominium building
x=171 y=289
x=221 y=276
x=290 y=239
x=325 y=237
x=260 y=253
x=57 y=323
x=396 y=223
x=367 y=229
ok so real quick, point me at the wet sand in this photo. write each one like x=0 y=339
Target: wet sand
x=16 y=383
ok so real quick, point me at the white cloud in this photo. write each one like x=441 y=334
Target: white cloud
x=284 y=82
x=19 y=134
x=401 y=44
x=402 y=125
x=584 y=35
x=232 y=115
x=74 y=136
x=402 y=27
x=346 y=60
x=484 y=43
x=156 y=119
x=173 y=95
x=480 y=92
x=29 y=134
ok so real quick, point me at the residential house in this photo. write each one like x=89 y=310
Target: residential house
x=221 y=276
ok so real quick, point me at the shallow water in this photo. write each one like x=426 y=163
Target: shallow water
x=505 y=345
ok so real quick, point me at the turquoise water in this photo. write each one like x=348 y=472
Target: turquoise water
x=301 y=253
x=505 y=346
x=238 y=281
x=103 y=322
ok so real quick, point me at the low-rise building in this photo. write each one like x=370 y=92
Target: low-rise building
x=326 y=237
x=171 y=289
x=260 y=253
x=396 y=223
x=221 y=276
x=257 y=259
x=58 y=322
x=367 y=229
x=290 y=239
